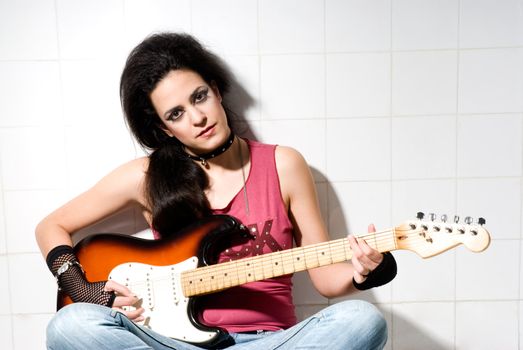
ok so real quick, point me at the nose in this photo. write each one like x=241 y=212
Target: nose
x=198 y=117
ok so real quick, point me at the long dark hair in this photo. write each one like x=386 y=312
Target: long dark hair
x=174 y=184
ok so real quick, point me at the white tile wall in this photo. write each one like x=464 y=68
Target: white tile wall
x=358 y=85
x=5 y=297
x=490 y=23
x=143 y=18
x=412 y=268
x=497 y=200
x=37 y=80
x=386 y=310
x=246 y=71
x=308 y=137
x=28 y=30
x=434 y=25
x=288 y=93
x=355 y=205
x=304 y=292
x=398 y=106
x=92 y=152
x=472 y=269
x=487 y=325
x=424 y=82
x=43 y=154
x=357 y=25
x=35 y=325
x=228 y=27
x=376 y=295
x=24 y=300
x=481 y=139
x=90 y=29
x=428 y=325
x=346 y=138
x=490 y=81
x=519 y=318
x=6 y=332
x=3 y=248
x=303 y=32
x=23 y=211
x=427 y=196
x=423 y=147
x=83 y=92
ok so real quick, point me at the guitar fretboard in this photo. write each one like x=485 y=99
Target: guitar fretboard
x=214 y=278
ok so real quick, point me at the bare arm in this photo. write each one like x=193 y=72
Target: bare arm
x=299 y=193
x=119 y=188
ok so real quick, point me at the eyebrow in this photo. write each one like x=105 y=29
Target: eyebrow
x=192 y=98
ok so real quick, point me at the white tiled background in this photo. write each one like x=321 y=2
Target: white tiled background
x=398 y=105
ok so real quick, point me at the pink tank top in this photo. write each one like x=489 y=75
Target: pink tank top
x=267 y=304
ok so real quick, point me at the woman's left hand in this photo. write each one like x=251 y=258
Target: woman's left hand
x=364 y=258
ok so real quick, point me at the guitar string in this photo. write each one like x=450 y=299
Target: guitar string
x=311 y=252
x=262 y=261
x=238 y=279
x=335 y=250
x=267 y=259
x=305 y=249
x=265 y=262
x=231 y=283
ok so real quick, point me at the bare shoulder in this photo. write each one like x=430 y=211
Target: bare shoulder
x=289 y=160
x=293 y=172
x=127 y=178
x=135 y=168
x=119 y=188
x=288 y=157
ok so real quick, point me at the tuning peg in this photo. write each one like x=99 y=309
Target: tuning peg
x=420 y=215
x=456 y=219
x=432 y=216
x=444 y=217
x=481 y=221
x=469 y=220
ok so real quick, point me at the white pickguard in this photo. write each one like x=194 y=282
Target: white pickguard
x=166 y=308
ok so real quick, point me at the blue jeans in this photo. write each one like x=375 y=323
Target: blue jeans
x=346 y=325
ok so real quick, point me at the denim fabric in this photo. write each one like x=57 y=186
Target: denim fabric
x=346 y=325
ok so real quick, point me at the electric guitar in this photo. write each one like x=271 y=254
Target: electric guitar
x=169 y=274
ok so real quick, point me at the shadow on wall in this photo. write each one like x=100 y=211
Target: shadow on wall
x=406 y=335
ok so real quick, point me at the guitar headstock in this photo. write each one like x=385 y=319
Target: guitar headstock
x=431 y=237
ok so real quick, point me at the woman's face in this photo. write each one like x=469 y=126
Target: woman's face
x=191 y=110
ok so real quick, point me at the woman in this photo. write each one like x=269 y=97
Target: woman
x=171 y=92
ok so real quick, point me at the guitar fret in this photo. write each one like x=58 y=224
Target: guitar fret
x=213 y=278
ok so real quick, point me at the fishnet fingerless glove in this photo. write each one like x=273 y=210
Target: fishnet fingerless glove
x=72 y=281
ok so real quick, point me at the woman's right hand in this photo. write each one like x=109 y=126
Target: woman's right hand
x=125 y=302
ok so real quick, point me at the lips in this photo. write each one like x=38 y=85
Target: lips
x=207 y=131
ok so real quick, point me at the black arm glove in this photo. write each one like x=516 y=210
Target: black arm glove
x=71 y=280
x=383 y=274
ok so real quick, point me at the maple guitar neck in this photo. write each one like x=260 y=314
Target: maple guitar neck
x=214 y=278
x=425 y=238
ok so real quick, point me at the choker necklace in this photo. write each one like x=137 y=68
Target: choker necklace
x=202 y=158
